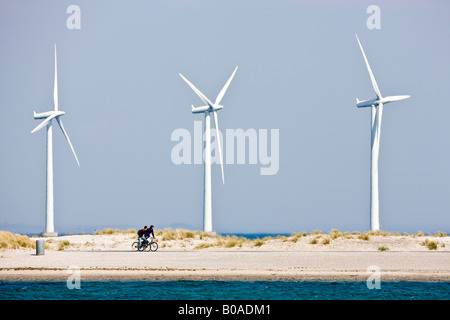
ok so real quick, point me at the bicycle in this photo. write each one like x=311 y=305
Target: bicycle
x=145 y=246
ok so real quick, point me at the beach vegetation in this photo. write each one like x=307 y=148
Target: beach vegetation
x=15 y=241
x=109 y=231
x=379 y=233
x=334 y=234
x=234 y=241
x=432 y=245
x=169 y=234
x=203 y=245
x=295 y=236
x=383 y=248
x=316 y=232
x=364 y=237
x=182 y=234
x=326 y=241
x=441 y=234
x=219 y=243
x=314 y=240
x=185 y=234
x=230 y=243
x=348 y=235
x=64 y=244
x=202 y=234
x=258 y=243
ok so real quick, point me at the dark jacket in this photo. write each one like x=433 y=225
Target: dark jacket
x=148 y=232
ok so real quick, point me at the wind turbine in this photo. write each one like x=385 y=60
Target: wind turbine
x=376 y=105
x=49 y=116
x=207 y=109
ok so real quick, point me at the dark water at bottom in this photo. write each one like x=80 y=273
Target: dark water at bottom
x=223 y=290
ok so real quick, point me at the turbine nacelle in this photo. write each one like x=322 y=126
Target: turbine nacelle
x=376 y=101
x=366 y=103
x=205 y=108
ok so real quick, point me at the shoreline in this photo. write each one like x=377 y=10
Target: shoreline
x=37 y=275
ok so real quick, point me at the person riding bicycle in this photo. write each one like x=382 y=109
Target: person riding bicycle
x=141 y=234
x=148 y=232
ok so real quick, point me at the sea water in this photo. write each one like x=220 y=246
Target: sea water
x=223 y=290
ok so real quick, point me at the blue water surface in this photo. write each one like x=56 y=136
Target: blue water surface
x=222 y=290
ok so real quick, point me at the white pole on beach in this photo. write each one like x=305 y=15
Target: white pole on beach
x=207 y=109
x=49 y=116
x=376 y=105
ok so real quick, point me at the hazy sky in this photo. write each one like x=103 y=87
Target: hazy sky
x=300 y=70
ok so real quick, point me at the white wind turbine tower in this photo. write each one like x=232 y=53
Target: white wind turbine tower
x=207 y=109
x=376 y=105
x=49 y=116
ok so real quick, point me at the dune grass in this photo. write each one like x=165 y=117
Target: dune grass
x=15 y=241
x=296 y=236
x=258 y=243
x=63 y=245
x=114 y=231
x=432 y=245
x=182 y=234
x=364 y=237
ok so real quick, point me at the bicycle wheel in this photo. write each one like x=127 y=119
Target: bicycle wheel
x=153 y=246
x=134 y=246
x=147 y=246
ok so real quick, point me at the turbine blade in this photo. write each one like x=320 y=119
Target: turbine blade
x=216 y=124
x=43 y=123
x=395 y=98
x=198 y=92
x=55 y=89
x=372 y=78
x=224 y=89
x=67 y=138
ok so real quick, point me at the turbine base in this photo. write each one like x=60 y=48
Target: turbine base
x=49 y=234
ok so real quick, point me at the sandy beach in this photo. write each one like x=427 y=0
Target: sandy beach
x=193 y=256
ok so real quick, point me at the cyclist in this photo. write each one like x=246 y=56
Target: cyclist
x=142 y=236
x=148 y=232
